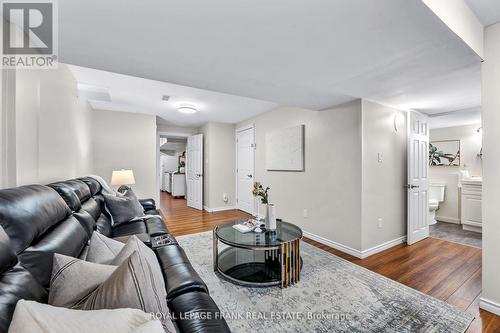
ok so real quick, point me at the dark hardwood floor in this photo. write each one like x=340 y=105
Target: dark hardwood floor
x=448 y=271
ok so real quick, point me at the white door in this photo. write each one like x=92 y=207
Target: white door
x=245 y=149
x=418 y=177
x=194 y=171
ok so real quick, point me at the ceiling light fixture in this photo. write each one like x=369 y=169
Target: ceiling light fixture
x=187 y=109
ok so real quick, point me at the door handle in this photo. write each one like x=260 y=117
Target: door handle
x=249 y=176
x=199 y=175
x=411 y=186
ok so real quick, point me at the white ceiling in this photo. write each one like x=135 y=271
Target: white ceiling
x=312 y=54
x=487 y=11
x=117 y=92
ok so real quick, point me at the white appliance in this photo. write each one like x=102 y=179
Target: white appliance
x=436 y=196
x=177 y=184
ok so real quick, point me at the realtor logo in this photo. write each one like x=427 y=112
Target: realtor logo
x=29 y=34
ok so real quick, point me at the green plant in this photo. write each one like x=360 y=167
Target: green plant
x=260 y=191
x=436 y=156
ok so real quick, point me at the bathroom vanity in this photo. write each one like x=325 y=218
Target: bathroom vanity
x=471 y=204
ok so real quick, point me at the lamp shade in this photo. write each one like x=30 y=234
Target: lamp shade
x=122 y=177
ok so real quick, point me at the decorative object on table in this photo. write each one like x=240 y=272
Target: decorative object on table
x=262 y=194
x=444 y=153
x=271 y=217
x=248 y=226
x=285 y=149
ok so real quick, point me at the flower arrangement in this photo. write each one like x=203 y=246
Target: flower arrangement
x=260 y=191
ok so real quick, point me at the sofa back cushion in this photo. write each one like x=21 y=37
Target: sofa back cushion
x=27 y=212
x=94 y=186
x=39 y=223
x=15 y=283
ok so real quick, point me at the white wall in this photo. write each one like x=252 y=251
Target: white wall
x=383 y=195
x=490 y=297
x=330 y=186
x=177 y=129
x=52 y=127
x=123 y=140
x=8 y=129
x=461 y=20
x=219 y=165
x=470 y=146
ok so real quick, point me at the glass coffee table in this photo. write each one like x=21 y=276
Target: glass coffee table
x=258 y=259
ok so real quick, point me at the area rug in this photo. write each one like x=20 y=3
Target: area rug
x=333 y=295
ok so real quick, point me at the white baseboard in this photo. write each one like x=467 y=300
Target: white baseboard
x=335 y=245
x=472 y=228
x=218 y=209
x=354 y=252
x=384 y=246
x=447 y=219
x=489 y=306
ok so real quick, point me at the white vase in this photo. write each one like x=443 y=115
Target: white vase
x=271 y=217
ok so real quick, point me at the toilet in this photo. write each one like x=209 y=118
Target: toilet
x=436 y=196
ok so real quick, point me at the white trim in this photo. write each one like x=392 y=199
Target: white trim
x=236 y=131
x=354 y=252
x=472 y=228
x=447 y=219
x=489 y=306
x=384 y=246
x=244 y=128
x=335 y=245
x=218 y=209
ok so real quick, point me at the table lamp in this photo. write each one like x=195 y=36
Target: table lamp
x=122 y=177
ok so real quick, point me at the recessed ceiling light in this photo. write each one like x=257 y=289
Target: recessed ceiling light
x=188 y=109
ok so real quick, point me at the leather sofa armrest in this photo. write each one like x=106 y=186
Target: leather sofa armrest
x=197 y=312
x=155 y=226
x=180 y=277
x=148 y=204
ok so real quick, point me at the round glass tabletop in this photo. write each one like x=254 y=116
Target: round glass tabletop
x=285 y=232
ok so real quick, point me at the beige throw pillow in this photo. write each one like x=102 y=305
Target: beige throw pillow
x=73 y=279
x=132 y=284
x=103 y=249
x=35 y=317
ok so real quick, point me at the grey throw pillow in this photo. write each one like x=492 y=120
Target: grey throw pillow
x=130 y=285
x=123 y=206
x=36 y=317
x=103 y=249
x=73 y=279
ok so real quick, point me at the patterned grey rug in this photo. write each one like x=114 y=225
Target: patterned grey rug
x=333 y=295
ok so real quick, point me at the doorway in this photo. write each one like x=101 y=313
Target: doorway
x=444 y=194
x=245 y=165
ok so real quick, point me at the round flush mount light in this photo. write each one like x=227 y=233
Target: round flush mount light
x=187 y=109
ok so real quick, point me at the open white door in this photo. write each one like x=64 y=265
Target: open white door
x=194 y=171
x=418 y=177
x=245 y=149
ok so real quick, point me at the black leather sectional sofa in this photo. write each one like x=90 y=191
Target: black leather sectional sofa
x=37 y=221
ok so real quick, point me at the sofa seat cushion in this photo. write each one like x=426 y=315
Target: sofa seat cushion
x=129 y=228
x=180 y=276
x=197 y=312
x=35 y=317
